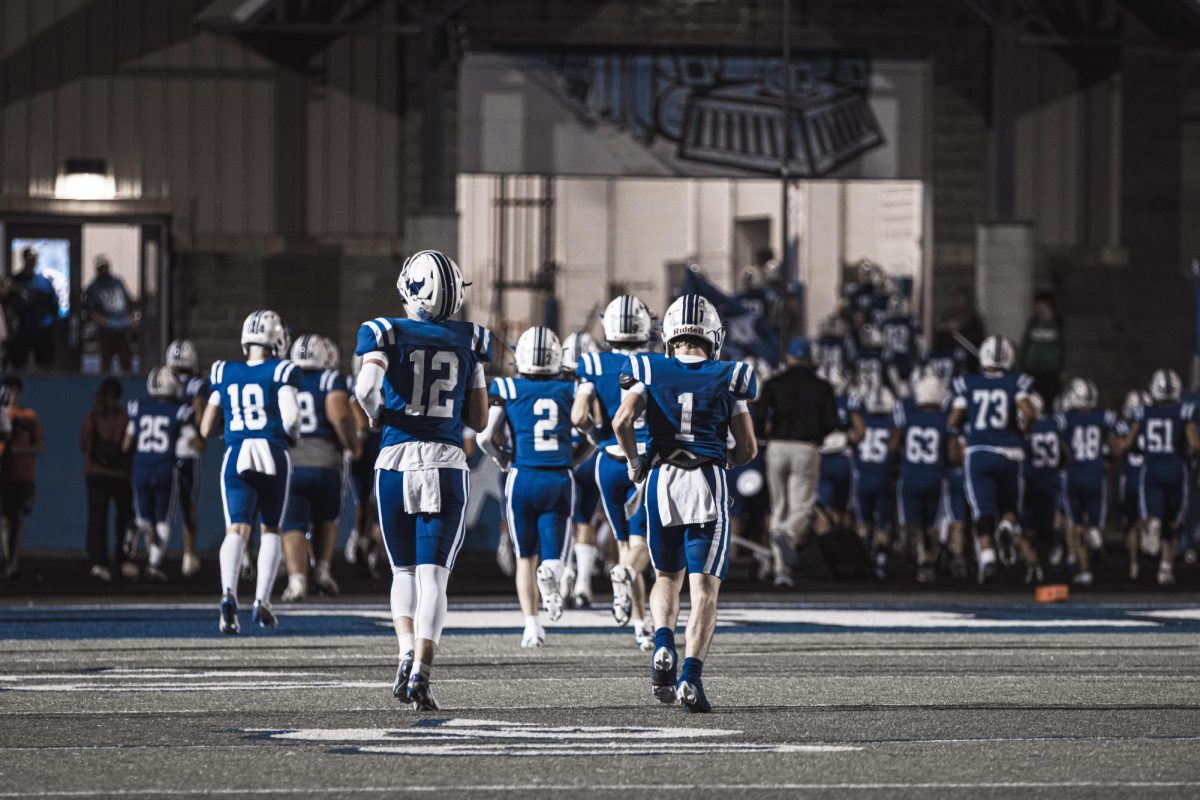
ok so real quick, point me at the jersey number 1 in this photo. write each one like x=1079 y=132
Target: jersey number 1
x=433 y=405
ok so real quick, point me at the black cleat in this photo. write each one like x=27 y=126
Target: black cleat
x=420 y=695
x=403 y=670
x=264 y=616
x=662 y=675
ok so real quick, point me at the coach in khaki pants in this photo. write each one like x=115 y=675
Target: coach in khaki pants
x=794 y=413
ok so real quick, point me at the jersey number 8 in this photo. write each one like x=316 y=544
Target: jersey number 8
x=249 y=407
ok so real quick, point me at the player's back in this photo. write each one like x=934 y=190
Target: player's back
x=603 y=371
x=157 y=423
x=1164 y=432
x=249 y=395
x=539 y=417
x=1084 y=432
x=923 y=448
x=871 y=455
x=316 y=385
x=990 y=403
x=690 y=401
x=431 y=366
x=1043 y=452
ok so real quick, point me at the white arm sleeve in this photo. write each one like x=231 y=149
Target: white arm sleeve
x=289 y=410
x=367 y=385
x=486 y=438
x=478 y=379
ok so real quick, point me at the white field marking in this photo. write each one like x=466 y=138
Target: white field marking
x=158 y=674
x=624 y=748
x=1172 y=613
x=878 y=618
x=198 y=687
x=641 y=788
x=492 y=729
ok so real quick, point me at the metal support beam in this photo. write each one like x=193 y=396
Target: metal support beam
x=1004 y=119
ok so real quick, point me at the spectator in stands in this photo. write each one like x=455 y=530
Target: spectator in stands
x=794 y=413
x=18 y=470
x=110 y=310
x=1043 y=351
x=106 y=470
x=31 y=306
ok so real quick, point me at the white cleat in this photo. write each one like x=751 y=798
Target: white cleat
x=1166 y=576
x=622 y=604
x=190 y=565
x=351 y=550
x=552 y=600
x=1082 y=579
x=534 y=637
x=1094 y=540
x=644 y=637
x=294 y=593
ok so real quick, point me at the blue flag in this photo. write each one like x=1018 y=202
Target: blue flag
x=747 y=332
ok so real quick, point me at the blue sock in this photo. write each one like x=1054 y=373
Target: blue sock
x=693 y=669
x=664 y=637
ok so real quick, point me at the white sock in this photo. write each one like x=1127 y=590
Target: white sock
x=420 y=668
x=406 y=643
x=637 y=624
x=404 y=592
x=532 y=623
x=231 y=562
x=987 y=557
x=430 y=615
x=299 y=583
x=270 y=552
x=585 y=561
x=158 y=550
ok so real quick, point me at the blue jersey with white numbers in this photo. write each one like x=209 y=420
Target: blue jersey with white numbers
x=250 y=397
x=832 y=353
x=923 y=441
x=868 y=366
x=603 y=371
x=1163 y=430
x=1085 y=435
x=196 y=386
x=316 y=387
x=689 y=403
x=156 y=425
x=431 y=367
x=872 y=459
x=900 y=336
x=539 y=419
x=991 y=405
x=1043 y=453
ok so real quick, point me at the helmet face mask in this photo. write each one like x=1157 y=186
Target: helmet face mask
x=431 y=286
x=693 y=316
x=627 y=321
x=539 y=352
x=264 y=328
x=182 y=356
x=310 y=352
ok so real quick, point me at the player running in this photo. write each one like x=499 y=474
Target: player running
x=421 y=379
x=1086 y=433
x=587 y=493
x=1043 y=486
x=871 y=418
x=159 y=427
x=985 y=408
x=257 y=399
x=627 y=327
x=539 y=492
x=183 y=360
x=692 y=403
x=1168 y=431
x=1129 y=484
x=326 y=431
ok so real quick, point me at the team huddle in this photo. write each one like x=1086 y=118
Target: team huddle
x=650 y=435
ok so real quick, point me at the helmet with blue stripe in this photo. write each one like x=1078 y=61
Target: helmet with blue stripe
x=694 y=316
x=539 y=352
x=627 y=320
x=431 y=285
x=181 y=355
x=575 y=345
x=161 y=382
x=310 y=352
x=265 y=329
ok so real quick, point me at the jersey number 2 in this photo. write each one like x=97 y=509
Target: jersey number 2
x=543 y=430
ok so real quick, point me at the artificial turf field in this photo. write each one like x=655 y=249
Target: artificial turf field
x=961 y=697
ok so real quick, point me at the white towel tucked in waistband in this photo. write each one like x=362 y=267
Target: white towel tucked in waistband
x=255 y=455
x=422 y=491
x=684 y=497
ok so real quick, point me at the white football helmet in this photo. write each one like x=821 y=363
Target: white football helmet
x=575 y=345
x=182 y=356
x=692 y=315
x=431 y=285
x=930 y=391
x=539 y=352
x=161 y=382
x=879 y=400
x=264 y=328
x=310 y=352
x=997 y=353
x=871 y=336
x=1081 y=394
x=333 y=356
x=1133 y=401
x=627 y=320
x=1165 y=386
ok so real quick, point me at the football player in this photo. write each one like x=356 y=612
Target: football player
x=1043 y=487
x=1168 y=434
x=692 y=403
x=539 y=492
x=421 y=380
x=365 y=543
x=868 y=358
x=831 y=345
x=183 y=360
x=627 y=327
x=257 y=399
x=925 y=447
x=159 y=427
x=587 y=493
x=1086 y=434
x=837 y=470
x=992 y=409
x=900 y=344
x=871 y=425
x=1129 y=484
x=326 y=431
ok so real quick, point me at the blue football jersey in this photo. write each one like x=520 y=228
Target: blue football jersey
x=923 y=446
x=196 y=386
x=156 y=425
x=1043 y=453
x=991 y=405
x=832 y=353
x=871 y=454
x=539 y=419
x=900 y=335
x=689 y=403
x=317 y=386
x=1163 y=431
x=603 y=371
x=431 y=366
x=1085 y=435
x=868 y=366
x=250 y=397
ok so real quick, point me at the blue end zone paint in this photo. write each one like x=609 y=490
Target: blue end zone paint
x=200 y=622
